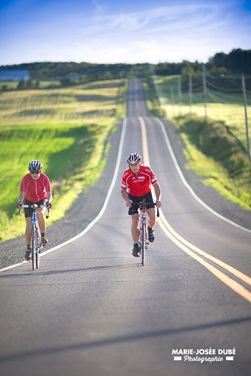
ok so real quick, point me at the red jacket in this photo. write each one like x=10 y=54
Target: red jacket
x=138 y=184
x=35 y=190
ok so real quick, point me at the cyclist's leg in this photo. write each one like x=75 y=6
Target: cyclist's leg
x=151 y=222
x=28 y=230
x=135 y=228
x=150 y=210
x=151 y=217
x=41 y=222
x=41 y=218
x=28 y=216
x=134 y=213
x=135 y=234
x=28 y=238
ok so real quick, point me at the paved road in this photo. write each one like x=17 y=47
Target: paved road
x=92 y=309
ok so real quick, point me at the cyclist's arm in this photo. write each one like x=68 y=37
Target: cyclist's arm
x=49 y=196
x=126 y=198
x=157 y=190
x=21 y=196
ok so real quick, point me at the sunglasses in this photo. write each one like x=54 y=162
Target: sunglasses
x=35 y=172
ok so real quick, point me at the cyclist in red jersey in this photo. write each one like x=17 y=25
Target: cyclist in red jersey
x=137 y=181
x=35 y=188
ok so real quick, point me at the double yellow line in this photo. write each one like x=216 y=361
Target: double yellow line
x=196 y=253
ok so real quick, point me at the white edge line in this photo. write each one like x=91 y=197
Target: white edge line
x=91 y=224
x=189 y=187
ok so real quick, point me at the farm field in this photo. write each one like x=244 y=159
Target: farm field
x=216 y=149
x=67 y=129
x=221 y=106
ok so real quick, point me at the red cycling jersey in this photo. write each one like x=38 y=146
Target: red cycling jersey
x=138 y=184
x=35 y=190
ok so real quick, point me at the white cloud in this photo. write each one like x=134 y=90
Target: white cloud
x=174 y=33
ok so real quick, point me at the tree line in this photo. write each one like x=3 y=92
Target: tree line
x=237 y=62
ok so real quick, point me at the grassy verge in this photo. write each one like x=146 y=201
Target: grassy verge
x=68 y=130
x=214 y=153
x=229 y=109
x=216 y=148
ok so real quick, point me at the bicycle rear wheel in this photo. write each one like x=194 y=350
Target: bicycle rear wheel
x=143 y=243
x=33 y=240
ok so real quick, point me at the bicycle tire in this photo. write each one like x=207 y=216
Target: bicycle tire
x=37 y=260
x=37 y=249
x=33 y=261
x=143 y=244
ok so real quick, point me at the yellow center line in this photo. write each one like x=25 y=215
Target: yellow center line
x=192 y=250
x=144 y=142
x=225 y=266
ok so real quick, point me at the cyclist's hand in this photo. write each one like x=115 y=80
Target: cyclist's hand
x=48 y=205
x=129 y=203
x=158 y=203
x=19 y=205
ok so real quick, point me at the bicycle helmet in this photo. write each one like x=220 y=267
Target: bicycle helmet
x=35 y=166
x=133 y=158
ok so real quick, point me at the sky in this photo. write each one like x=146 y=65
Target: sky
x=121 y=31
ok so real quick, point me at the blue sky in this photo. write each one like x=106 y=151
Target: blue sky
x=127 y=31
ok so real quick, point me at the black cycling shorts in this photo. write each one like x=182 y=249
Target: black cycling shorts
x=134 y=209
x=28 y=211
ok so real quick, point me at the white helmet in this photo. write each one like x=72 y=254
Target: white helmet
x=133 y=158
x=35 y=166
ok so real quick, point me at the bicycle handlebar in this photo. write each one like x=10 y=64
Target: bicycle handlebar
x=145 y=203
x=35 y=206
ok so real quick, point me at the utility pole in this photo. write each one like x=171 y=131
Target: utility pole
x=180 y=94
x=190 y=86
x=246 y=114
x=205 y=91
x=172 y=100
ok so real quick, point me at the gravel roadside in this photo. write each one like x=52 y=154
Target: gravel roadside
x=89 y=203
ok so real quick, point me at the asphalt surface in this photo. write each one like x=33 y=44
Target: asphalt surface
x=92 y=309
x=89 y=203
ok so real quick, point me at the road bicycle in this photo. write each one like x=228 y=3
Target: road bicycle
x=143 y=234
x=36 y=245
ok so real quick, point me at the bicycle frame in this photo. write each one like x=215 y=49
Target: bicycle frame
x=143 y=234
x=35 y=241
x=35 y=235
x=143 y=240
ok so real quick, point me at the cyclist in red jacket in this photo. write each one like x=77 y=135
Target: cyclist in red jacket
x=35 y=188
x=136 y=185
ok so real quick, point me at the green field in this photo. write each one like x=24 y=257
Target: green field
x=67 y=129
x=216 y=146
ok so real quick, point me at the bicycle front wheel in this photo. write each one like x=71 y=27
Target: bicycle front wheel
x=37 y=259
x=143 y=243
x=33 y=247
x=38 y=247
